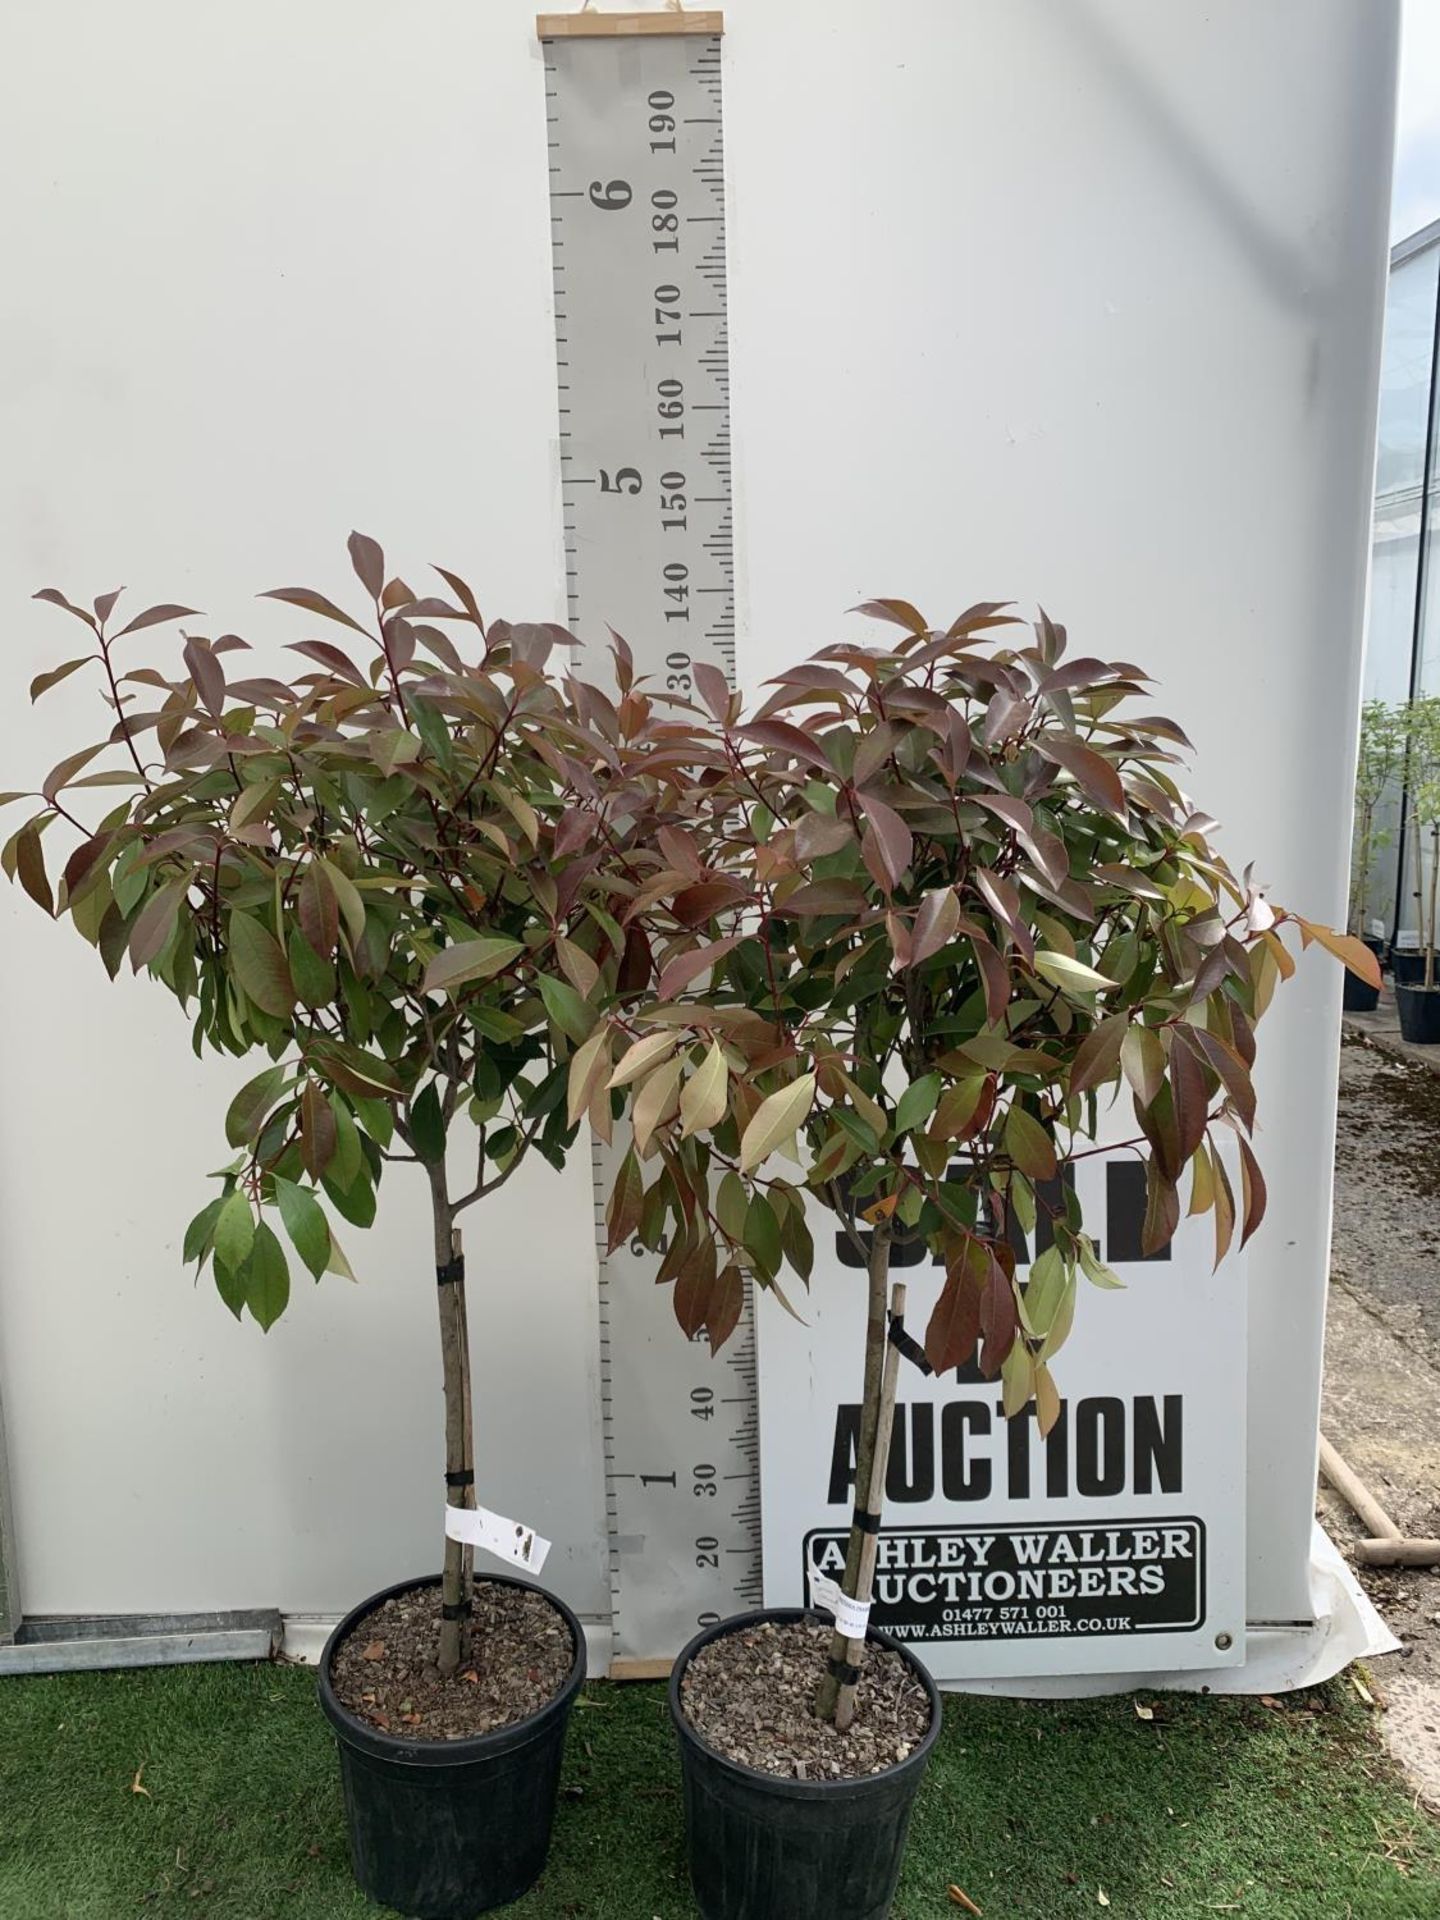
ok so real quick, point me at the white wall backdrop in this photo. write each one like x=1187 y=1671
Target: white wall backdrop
x=1069 y=300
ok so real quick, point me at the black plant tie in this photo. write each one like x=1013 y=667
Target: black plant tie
x=460 y=1610
x=842 y=1671
x=909 y=1347
x=464 y=1478
x=866 y=1522
x=452 y=1270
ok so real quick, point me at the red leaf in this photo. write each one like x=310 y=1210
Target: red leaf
x=955 y=1323
x=1252 y=1187
x=1094 y=774
x=319 y=910
x=332 y=658
x=1228 y=1065
x=680 y=971
x=996 y=976
x=998 y=1321
x=317 y=1129
x=153 y=617
x=1162 y=1209
x=695 y=1287
x=727 y=1303
x=368 y=562
x=899 y=611
x=788 y=738
x=713 y=688
x=207 y=673
x=1191 y=1097
x=30 y=868
x=894 y=839
x=692 y=906
x=820 y=897
x=1097 y=1058
x=312 y=602
x=936 y=919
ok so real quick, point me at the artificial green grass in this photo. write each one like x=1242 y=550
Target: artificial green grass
x=1213 y=1806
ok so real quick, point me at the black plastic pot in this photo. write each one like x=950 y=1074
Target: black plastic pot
x=1407 y=966
x=763 y=1848
x=446 y=1829
x=1360 y=996
x=1419 y=1014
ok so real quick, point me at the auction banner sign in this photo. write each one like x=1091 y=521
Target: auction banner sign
x=1114 y=1545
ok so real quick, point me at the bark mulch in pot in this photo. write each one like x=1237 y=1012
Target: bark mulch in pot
x=520 y=1657
x=751 y=1696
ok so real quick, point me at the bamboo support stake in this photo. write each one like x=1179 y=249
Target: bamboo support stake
x=874 y=1504
x=1387 y=1546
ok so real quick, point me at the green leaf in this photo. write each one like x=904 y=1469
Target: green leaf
x=1095 y=1270
x=470 y=960
x=260 y=966
x=355 y=1203
x=1028 y=1144
x=347 y=896
x=732 y=1203
x=1073 y=975
x=917 y=1103
x=234 y=1232
x=230 y=1287
x=705 y=1098
x=267 y=1277
x=776 y=1121
x=377 y=1117
x=305 y=1223
x=251 y=1105
x=314 y=978
x=427 y=1125
x=573 y=1015
x=762 y=1236
x=345 y=1163
x=200 y=1233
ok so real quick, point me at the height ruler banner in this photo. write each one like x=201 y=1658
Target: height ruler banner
x=637 y=208
x=1115 y=1545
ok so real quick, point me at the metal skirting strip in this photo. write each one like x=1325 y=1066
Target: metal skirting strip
x=89 y=1643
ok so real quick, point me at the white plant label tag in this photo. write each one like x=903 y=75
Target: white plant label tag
x=506 y=1539
x=852 y=1617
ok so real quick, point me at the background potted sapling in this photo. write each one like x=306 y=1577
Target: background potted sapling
x=940 y=901
x=381 y=872
x=1417 y=994
x=1377 y=768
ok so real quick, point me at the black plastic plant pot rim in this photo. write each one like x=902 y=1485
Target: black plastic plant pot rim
x=359 y=1733
x=913 y=1763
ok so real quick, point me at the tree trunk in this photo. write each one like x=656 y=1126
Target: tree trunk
x=874 y=1507
x=1430 y=909
x=456 y=1584
x=875 y=1343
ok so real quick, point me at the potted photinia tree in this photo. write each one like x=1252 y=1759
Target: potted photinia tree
x=1377 y=765
x=1417 y=994
x=940 y=899
x=382 y=874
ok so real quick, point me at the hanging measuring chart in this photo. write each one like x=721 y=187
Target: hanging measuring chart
x=637 y=208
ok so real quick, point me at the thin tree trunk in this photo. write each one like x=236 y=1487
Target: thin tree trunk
x=1430 y=912
x=455 y=1586
x=875 y=1344
x=874 y=1507
x=1419 y=878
